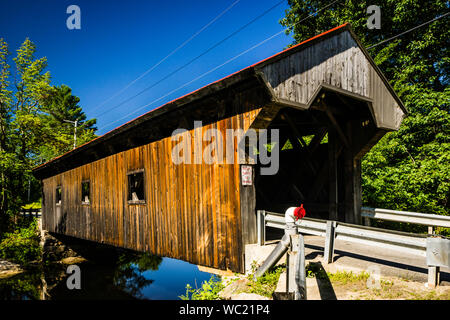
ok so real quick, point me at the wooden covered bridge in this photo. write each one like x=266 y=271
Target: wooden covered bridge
x=326 y=97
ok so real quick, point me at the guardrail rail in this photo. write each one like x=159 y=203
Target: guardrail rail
x=431 y=220
x=36 y=213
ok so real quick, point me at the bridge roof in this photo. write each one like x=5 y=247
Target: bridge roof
x=255 y=72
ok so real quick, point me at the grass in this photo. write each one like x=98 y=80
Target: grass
x=345 y=277
x=264 y=285
x=350 y=285
x=315 y=270
x=267 y=283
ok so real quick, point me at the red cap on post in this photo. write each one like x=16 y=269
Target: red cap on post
x=299 y=212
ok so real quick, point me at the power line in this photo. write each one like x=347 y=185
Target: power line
x=194 y=59
x=169 y=55
x=221 y=65
x=187 y=83
x=412 y=29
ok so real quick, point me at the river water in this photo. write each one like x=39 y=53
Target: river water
x=142 y=276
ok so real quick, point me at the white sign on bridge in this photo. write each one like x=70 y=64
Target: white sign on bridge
x=246 y=175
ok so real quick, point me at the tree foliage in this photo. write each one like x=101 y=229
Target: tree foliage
x=22 y=245
x=408 y=169
x=31 y=126
x=58 y=106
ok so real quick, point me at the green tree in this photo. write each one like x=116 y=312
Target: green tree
x=59 y=105
x=19 y=101
x=30 y=84
x=30 y=126
x=408 y=169
x=5 y=119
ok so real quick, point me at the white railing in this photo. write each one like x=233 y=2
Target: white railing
x=432 y=220
x=390 y=239
x=411 y=243
x=36 y=213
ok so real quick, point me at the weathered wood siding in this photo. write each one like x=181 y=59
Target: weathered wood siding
x=192 y=211
x=336 y=62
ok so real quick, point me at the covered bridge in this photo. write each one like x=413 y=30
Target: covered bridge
x=330 y=104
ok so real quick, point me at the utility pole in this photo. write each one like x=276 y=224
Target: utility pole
x=75 y=123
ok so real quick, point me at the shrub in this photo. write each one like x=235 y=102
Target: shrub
x=22 y=245
x=267 y=283
x=208 y=291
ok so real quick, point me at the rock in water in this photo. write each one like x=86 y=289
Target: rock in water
x=9 y=269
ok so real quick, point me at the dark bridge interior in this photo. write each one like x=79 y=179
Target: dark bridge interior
x=320 y=152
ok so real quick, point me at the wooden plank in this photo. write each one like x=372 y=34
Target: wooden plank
x=337 y=127
x=186 y=196
x=357 y=195
x=223 y=249
x=171 y=219
x=202 y=227
x=189 y=216
x=318 y=137
x=332 y=176
x=158 y=228
x=349 y=187
x=165 y=202
x=248 y=217
x=230 y=234
x=207 y=210
x=178 y=188
x=151 y=222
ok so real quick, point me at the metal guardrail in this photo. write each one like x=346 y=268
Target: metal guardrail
x=311 y=226
x=389 y=239
x=432 y=220
x=437 y=255
x=401 y=241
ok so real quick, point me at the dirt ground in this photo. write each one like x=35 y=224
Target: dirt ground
x=390 y=289
x=345 y=285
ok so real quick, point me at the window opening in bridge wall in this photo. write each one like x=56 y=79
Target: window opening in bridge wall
x=85 y=192
x=136 y=190
x=58 y=195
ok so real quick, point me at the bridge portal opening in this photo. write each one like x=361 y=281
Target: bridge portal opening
x=320 y=158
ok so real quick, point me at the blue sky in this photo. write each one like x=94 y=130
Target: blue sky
x=120 y=40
